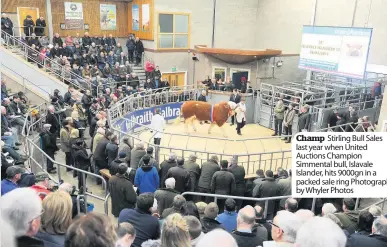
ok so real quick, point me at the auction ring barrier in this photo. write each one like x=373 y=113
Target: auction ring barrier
x=129 y=117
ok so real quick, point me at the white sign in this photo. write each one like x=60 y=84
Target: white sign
x=332 y=164
x=73 y=15
x=340 y=51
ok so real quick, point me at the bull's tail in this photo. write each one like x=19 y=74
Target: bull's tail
x=178 y=119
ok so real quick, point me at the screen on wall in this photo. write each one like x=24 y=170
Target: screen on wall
x=340 y=51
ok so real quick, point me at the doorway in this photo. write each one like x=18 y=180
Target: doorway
x=175 y=78
x=22 y=12
x=236 y=76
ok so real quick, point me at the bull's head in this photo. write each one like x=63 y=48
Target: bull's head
x=232 y=106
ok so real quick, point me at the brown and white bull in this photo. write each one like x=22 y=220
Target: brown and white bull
x=202 y=111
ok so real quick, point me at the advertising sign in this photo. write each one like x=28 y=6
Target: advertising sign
x=73 y=15
x=168 y=111
x=108 y=16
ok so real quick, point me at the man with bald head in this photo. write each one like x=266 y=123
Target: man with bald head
x=217 y=238
x=244 y=235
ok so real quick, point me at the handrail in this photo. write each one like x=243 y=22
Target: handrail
x=266 y=199
x=25 y=49
x=83 y=173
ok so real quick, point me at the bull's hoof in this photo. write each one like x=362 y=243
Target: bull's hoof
x=225 y=136
x=195 y=130
x=209 y=132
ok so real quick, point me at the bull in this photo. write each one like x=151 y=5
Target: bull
x=217 y=114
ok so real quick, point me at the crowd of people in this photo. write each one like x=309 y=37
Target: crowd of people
x=87 y=62
x=28 y=219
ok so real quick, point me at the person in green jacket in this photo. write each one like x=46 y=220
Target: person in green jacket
x=279 y=111
x=349 y=217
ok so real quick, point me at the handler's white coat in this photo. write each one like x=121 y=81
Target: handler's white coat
x=240 y=112
x=158 y=124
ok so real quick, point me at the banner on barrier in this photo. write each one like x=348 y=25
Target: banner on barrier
x=144 y=117
x=339 y=51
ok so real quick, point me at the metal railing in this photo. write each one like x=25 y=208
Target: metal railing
x=254 y=199
x=41 y=164
x=51 y=66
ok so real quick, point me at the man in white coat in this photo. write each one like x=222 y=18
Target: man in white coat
x=158 y=125
x=240 y=112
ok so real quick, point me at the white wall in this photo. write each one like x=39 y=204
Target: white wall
x=279 y=24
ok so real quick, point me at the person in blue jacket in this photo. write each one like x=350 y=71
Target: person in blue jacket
x=13 y=175
x=229 y=217
x=147 y=178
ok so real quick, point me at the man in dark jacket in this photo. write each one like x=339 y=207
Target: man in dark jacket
x=131 y=46
x=121 y=191
x=48 y=145
x=194 y=171
x=223 y=183
x=202 y=96
x=164 y=168
x=136 y=154
x=244 y=235
x=68 y=96
x=378 y=238
x=209 y=221
x=285 y=188
x=112 y=149
x=349 y=218
x=181 y=175
x=239 y=175
x=164 y=196
x=236 y=98
x=113 y=168
x=100 y=156
x=28 y=25
x=262 y=227
x=139 y=48
x=6 y=24
x=81 y=159
x=208 y=170
x=40 y=26
x=152 y=162
x=268 y=188
x=86 y=41
x=57 y=40
x=53 y=120
x=146 y=225
x=303 y=118
x=93 y=124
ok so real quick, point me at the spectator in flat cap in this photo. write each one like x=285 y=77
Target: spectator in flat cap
x=194 y=171
x=208 y=170
x=13 y=175
x=136 y=154
x=126 y=148
x=42 y=184
x=152 y=162
x=48 y=144
x=122 y=191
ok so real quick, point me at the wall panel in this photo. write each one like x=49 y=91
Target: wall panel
x=10 y=6
x=148 y=35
